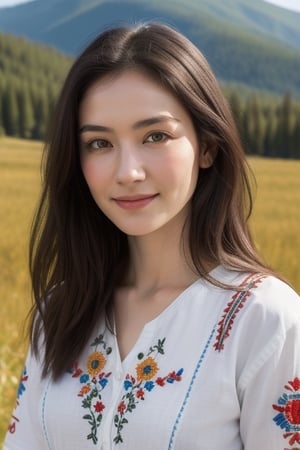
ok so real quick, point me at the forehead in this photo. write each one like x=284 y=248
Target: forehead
x=133 y=93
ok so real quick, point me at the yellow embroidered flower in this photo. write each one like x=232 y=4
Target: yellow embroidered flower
x=95 y=363
x=147 y=369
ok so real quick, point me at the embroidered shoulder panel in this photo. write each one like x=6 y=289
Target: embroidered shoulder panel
x=232 y=309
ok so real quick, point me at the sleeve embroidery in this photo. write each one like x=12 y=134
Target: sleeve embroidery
x=233 y=307
x=288 y=417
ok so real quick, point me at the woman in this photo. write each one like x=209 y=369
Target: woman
x=156 y=325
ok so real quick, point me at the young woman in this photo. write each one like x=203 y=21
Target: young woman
x=156 y=325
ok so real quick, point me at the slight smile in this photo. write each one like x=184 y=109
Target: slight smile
x=135 y=201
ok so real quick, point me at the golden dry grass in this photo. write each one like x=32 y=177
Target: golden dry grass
x=19 y=187
x=276 y=225
x=276 y=217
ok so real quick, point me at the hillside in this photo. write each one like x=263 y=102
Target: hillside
x=30 y=77
x=251 y=43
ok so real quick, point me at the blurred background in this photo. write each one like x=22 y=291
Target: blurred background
x=253 y=48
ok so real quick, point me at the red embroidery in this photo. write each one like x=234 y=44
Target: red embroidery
x=21 y=389
x=288 y=407
x=233 y=307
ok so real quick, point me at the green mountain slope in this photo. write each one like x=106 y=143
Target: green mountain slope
x=31 y=76
x=252 y=43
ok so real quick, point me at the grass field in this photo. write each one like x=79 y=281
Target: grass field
x=275 y=222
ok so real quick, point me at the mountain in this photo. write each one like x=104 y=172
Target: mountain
x=251 y=43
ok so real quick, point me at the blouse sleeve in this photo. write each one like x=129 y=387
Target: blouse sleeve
x=25 y=428
x=269 y=383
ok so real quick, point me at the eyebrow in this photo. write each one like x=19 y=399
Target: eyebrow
x=140 y=124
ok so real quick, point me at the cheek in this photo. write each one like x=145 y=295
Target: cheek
x=92 y=172
x=184 y=165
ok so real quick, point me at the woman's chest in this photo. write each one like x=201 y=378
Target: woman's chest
x=167 y=393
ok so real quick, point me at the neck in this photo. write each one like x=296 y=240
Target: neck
x=160 y=260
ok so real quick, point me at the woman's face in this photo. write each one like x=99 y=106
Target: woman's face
x=139 y=153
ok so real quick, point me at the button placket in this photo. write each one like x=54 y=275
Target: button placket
x=106 y=442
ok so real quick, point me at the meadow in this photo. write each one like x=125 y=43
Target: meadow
x=275 y=225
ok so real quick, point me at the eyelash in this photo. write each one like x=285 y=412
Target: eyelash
x=165 y=136
x=92 y=144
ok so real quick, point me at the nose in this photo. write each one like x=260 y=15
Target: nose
x=130 y=168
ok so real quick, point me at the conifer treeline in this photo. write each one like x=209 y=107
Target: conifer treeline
x=31 y=76
x=268 y=126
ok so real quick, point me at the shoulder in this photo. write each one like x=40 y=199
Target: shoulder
x=262 y=306
x=272 y=299
x=265 y=293
x=270 y=320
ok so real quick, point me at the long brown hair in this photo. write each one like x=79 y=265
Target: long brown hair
x=77 y=256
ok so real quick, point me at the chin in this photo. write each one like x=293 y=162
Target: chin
x=138 y=230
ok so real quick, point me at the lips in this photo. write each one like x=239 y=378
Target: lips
x=134 y=201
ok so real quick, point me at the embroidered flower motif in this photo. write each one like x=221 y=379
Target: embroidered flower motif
x=93 y=381
x=233 y=308
x=21 y=389
x=288 y=407
x=137 y=388
x=95 y=363
x=99 y=407
x=146 y=369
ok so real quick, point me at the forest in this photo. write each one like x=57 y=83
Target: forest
x=31 y=76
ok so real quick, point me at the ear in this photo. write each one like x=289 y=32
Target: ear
x=207 y=154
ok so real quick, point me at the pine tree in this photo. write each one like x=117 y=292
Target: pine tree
x=40 y=104
x=270 y=133
x=296 y=139
x=26 y=116
x=1 y=107
x=10 y=110
x=236 y=105
x=286 y=122
x=253 y=126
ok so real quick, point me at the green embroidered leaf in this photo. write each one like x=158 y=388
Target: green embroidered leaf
x=118 y=439
x=93 y=437
x=98 y=340
x=88 y=417
x=124 y=420
x=116 y=419
x=131 y=407
x=160 y=346
x=86 y=402
x=94 y=393
x=140 y=355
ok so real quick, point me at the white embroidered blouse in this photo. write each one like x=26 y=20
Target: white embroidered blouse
x=216 y=369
